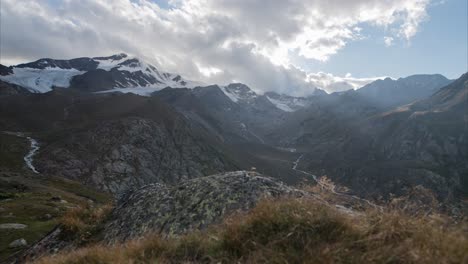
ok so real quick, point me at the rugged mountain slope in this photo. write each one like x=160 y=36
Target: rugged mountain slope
x=350 y=135
x=234 y=112
x=30 y=201
x=326 y=120
x=113 y=141
x=287 y=103
x=422 y=143
x=329 y=118
x=7 y=89
x=390 y=93
x=433 y=131
x=240 y=125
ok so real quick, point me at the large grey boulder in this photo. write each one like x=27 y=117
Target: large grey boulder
x=194 y=204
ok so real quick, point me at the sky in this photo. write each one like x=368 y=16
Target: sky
x=287 y=46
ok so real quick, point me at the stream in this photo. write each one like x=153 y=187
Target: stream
x=34 y=147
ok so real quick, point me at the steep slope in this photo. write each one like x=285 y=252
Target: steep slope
x=434 y=131
x=7 y=89
x=113 y=142
x=326 y=120
x=4 y=70
x=234 y=112
x=31 y=201
x=424 y=143
x=240 y=125
x=289 y=103
x=390 y=93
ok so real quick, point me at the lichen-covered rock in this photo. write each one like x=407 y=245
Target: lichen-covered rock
x=194 y=204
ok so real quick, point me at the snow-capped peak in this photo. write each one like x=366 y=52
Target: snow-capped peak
x=121 y=73
x=239 y=92
x=108 y=63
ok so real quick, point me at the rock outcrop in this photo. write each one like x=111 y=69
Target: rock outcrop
x=132 y=152
x=194 y=204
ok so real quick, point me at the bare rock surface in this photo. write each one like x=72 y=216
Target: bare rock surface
x=194 y=204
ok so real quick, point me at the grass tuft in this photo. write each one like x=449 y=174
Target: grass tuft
x=83 y=221
x=294 y=231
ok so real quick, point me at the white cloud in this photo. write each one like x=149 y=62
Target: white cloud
x=209 y=71
x=388 y=41
x=331 y=83
x=209 y=40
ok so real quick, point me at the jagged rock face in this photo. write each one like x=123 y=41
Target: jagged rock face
x=4 y=70
x=132 y=152
x=193 y=204
x=7 y=89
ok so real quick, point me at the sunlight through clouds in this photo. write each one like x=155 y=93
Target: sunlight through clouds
x=233 y=39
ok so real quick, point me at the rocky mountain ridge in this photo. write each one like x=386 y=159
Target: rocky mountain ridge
x=348 y=136
x=91 y=74
x=389 y=93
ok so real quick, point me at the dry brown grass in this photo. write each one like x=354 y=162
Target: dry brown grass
x=294 y=231
x=83 y=221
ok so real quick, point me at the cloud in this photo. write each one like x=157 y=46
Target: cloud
x=215 y=41
x=331 y=83
x=388 y=41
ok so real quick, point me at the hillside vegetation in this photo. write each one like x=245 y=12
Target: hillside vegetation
x=295 y=231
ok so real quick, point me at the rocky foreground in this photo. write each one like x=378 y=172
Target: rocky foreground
x=239 y=217
x=166 y=210
x=194 y=204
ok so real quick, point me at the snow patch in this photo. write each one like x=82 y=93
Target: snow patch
x=143 y=91
x=231 y=96
x=108 y=64
x=41 y=80
x=280 y=105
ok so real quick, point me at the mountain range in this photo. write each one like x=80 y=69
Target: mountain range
x=117 y=122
